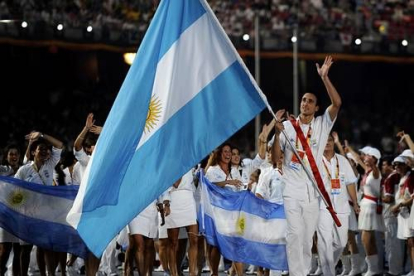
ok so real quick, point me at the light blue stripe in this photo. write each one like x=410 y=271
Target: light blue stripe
x=126 y=120
x=243 y=201
x=68 y=192
x=48 y=235
x=272 y=256
x=216 y=113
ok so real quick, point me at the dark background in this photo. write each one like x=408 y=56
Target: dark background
x=53 y=89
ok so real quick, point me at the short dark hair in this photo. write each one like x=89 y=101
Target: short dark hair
x=388 y=159
x=36 y=143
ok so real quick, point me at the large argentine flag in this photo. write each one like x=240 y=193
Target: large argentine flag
x=245 y=228
x=186 y=92
x=37 y=215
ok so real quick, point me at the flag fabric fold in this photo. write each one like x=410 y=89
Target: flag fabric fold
x=244 y=227
x=186 y=92
x=37 y=215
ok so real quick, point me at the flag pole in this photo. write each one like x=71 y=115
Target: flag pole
x=257 y=73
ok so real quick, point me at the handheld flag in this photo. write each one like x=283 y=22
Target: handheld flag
x=186 y=92
x=245 y=228
x=37 y=214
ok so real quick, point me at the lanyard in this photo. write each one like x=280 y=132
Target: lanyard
x=38 y=172
x=328 y=170
x=308 y=136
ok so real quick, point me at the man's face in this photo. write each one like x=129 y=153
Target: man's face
x=308 y=105
x=330 y=144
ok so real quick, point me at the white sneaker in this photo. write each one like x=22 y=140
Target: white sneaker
x=205 y=269
x=317 y=272
x=159 y=269
x=285 y=272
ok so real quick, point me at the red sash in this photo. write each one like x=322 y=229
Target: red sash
x=315 y=171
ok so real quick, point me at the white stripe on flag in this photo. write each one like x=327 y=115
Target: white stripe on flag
x=34 y=204
x=187 y=57
x=270 y=231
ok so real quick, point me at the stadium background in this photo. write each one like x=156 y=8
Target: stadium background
x=50 y=80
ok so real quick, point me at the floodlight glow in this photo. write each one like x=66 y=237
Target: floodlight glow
x=294 y=39
x=89 y=29
x=129 y=58
x=246 y=37
x=358 y=41
x=24 y=24
x=59 y=27
x=404 y=43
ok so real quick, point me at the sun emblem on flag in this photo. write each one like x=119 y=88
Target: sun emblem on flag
x=241 y=224
x=17 y=198
x=154 y=114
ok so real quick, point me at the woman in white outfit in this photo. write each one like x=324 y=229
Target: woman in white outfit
x=270 y=187
x=404 y=200
x=370 y=217
x=218 y=172
x=142 y=231
x=40 y=171
x=242 y=171
x=183 y=214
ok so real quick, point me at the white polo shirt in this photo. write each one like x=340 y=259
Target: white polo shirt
x=80 y=166
x=298 y=185
x=341 y=170
x=243 y=172
x=45 y=174
x=271 y=185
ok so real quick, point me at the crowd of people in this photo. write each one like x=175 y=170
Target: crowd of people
x=374 y=21
x=368 y=194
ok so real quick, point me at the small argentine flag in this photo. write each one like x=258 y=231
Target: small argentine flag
x=186 y=92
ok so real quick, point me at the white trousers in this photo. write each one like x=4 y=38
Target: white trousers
x=302 y=217
x=109 y=259
x=331 y=243
x=394 y=247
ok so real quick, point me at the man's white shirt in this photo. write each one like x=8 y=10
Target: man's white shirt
x=346 y=176
x=298 y=185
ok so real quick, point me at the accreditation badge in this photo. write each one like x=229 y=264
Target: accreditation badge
x=335 y=186
x=295 y=163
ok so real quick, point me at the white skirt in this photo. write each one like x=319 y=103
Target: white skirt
x=404 y=230
x=7 y=237
x=353 y=223
x=369 y=220
x=146 y=223
x=163 y=232
x=183 y=209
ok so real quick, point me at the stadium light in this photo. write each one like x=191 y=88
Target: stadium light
x=358 y=41
x=129 y=58
x=7 y=21
x=59 y=27
x=294 y=39
x=24 y=24
x=89 y=29
x=246 y=37
x=404 y=43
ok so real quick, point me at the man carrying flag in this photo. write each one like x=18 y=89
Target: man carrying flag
x=301 y=199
